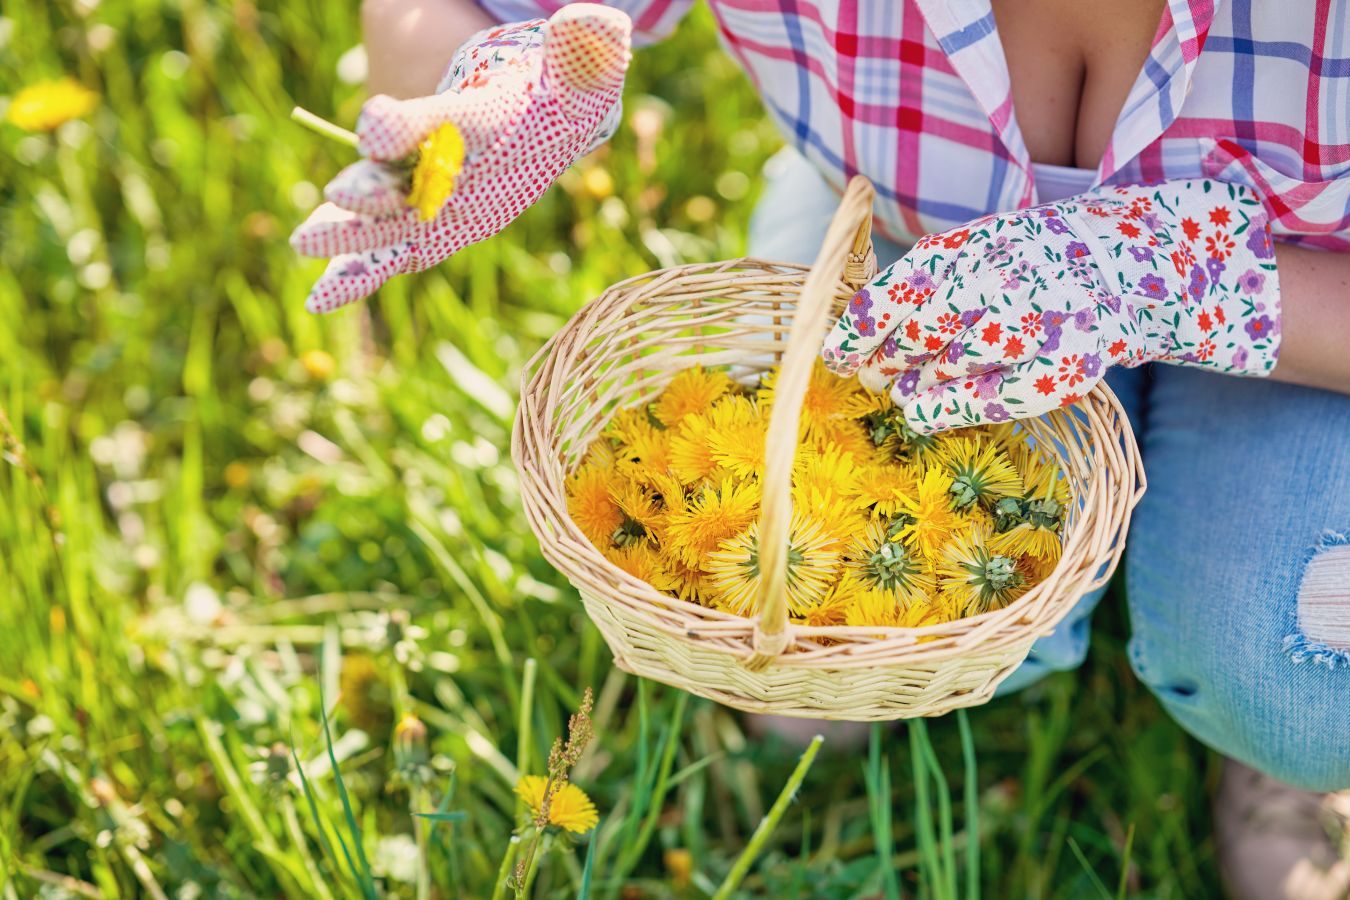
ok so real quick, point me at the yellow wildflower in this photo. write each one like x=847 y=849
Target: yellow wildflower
x=812 y=559
x=737 y=436
x=883 y=563
x=692 y=583
x=887 y=487
x=568 y=806
x=930 y=520
x=1028 y=539
x=711 y=517
x=691 y=391
x=641 y=561
x=691 y=454
x=590 y=499
x=645 y=456
x=828 y=396
x=974 y=579
x=640 y=515
x=981 y=472
x=440 y=157
x=48 y=104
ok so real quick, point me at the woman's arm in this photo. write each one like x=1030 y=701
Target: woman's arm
x=410 y=42
x=1315 y=326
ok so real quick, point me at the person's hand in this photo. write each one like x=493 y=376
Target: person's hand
x=527 y=101
x=1016 y=314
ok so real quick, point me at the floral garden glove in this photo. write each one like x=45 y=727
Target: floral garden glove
x=524 y=102
x=1016 y=314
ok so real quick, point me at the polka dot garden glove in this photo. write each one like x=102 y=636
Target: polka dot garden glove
x=526 y=101
x=1016 y=314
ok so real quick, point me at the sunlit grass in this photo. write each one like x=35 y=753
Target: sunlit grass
x=219 y=513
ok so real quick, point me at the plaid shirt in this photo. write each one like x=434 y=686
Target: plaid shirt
x=915 y=95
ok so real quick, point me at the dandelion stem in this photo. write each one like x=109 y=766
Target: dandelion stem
x=419 y=798
x=324 y=127
x=769 y=822
x=504 y=870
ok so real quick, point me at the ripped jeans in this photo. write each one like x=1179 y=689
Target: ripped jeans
x=1237 y=566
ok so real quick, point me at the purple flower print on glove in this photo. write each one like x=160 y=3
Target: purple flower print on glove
x=1240 y=358
x=1259 y=242
x=1251 y=282
x=1141 y=254
x=1092 y=364
x=1153 y=286
x=1077 y=250
x=908 y=382
x=996 y=252
x=859 y=307
x=996 y=412
x=1198 y=282
x=1215 y=267
x=1259 y=327
x=986 y=385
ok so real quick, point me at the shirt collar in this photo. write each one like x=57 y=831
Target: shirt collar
x=966 y=33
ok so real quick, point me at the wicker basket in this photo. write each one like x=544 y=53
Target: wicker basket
x=622 y=348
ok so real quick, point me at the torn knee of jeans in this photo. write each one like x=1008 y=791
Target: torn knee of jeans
x=1323 y=633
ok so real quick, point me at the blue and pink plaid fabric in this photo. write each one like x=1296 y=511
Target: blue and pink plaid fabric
x=915 y=95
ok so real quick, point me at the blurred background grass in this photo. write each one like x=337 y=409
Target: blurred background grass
x=214 y=506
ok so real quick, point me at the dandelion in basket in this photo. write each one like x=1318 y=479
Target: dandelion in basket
x=890 y=528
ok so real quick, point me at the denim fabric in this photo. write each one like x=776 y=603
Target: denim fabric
x=1248 y=479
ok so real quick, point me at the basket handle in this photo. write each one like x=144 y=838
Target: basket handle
x=847 y=249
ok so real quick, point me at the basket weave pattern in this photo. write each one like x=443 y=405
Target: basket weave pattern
x=623 y=347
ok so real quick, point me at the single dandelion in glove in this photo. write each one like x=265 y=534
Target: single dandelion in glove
x=518 y=106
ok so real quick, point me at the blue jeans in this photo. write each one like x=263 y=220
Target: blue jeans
x=1249 y=486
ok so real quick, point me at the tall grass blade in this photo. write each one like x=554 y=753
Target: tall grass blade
x=971 y=801
x=741 y=867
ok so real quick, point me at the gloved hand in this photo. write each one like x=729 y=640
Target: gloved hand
x=528 y=100
x=1016 y=314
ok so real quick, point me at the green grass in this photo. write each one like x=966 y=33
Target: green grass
x=206 y=531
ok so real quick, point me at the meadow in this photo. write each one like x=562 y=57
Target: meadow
x=239 y=544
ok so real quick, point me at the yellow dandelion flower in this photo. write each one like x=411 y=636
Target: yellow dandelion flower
x=626 y=424
x=848 y=435
x=640 y=515
x=980 y=472
x=886 y=487
x=710 y=517
x=830 y=610
x=590 y=499
x=691 y=452
x=867 y=607
x=440 y=156
x=49 y=104
x=862 y=403
x=828 y=396
x=690 y=582
x=882 y=562
x=973 y=578
x=599 y=454
x=568 y=806
x=691 y=391
x=829 y=470
x=840 y=517
x=645 y=456
x=928 y=519
x=642 y=562
x=812 y=559
x=1027 y=539
x=736 y=436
